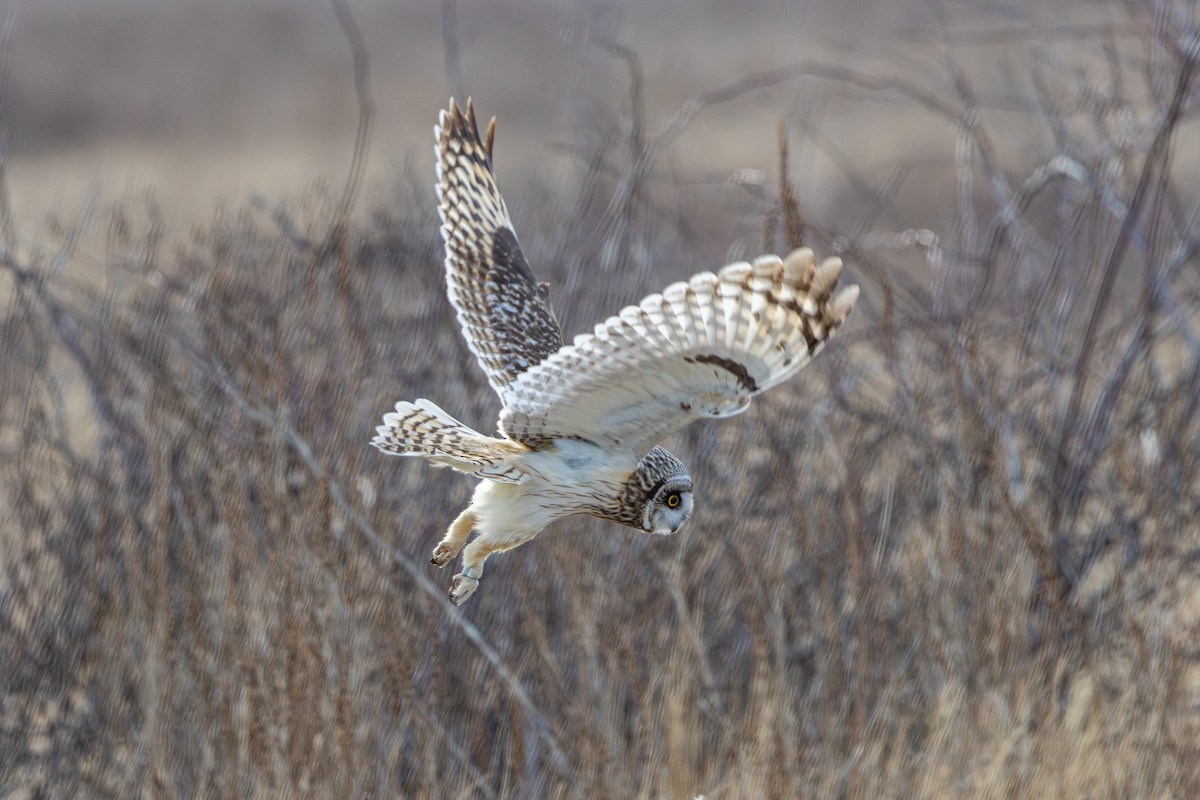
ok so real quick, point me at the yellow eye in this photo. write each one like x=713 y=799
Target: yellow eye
x=672 y=500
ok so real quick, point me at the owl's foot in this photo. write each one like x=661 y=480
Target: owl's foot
x=463 y=586
x=443 y=554
x=454 y=539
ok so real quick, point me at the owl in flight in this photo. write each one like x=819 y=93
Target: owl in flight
x=581 y=422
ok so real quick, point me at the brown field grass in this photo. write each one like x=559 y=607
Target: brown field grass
x=958 y=557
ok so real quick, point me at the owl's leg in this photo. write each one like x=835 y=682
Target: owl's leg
x=466 y=582
x=455 y=538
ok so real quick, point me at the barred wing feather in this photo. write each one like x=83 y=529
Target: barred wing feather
x=505 y=315
x=702 y=348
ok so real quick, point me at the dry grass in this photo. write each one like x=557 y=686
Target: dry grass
x=959 y=557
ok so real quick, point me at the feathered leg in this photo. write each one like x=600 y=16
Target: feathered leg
x=455 y=538
x=466 y=582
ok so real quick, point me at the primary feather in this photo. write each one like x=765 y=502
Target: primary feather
x=702 y=348
x=505 y=315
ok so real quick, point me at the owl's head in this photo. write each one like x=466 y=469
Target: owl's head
x=656 y=497
x=669 y=506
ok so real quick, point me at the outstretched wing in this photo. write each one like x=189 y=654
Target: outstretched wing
x=505 y=317
x=700 y=349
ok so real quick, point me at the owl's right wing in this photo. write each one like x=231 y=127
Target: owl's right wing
x=505 y=316
x=700 y=349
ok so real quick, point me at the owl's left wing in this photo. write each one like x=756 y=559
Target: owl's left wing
x=700 y=349
x=505 y=315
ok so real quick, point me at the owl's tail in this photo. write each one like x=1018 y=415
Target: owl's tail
x=422 y=429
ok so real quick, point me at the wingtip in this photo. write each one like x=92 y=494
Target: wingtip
x=454 y=109
x=799 y=266
x=448 y=117
x=470 y=115
x=843 y=302
x=825 y=278
x=459 y=122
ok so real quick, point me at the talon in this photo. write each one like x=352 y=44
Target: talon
x=462 y=587
x=442 y=554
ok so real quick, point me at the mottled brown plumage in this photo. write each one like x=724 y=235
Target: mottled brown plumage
x=505 y=315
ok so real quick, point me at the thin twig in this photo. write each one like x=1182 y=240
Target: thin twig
x=1156 y=159
x=8 y=228
x=789 y=203
x=366 y=105
x=450 y=48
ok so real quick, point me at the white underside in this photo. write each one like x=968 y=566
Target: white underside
x=564 y=479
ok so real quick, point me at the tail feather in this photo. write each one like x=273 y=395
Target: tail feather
x=422 y=429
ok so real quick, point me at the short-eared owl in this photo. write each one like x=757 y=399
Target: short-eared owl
x=581 y=421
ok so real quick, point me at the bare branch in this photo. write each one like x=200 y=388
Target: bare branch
x=366 y=105
x=1158 y=158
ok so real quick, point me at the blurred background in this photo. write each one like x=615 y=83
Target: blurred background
x=958 y=556
x=207 y=102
